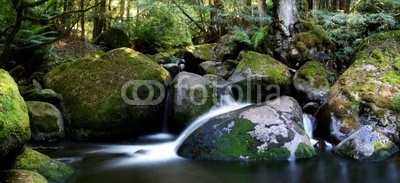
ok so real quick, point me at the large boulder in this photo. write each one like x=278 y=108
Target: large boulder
x=311 y=82
x=113 y=38
x=367 y=93
x=52 y=170
x=259 y=77
x=366 y=144
x=14 y=119
x=192 y=96
x=46 y=121
x=118 y=95
x=269 y=131
x=21 y=176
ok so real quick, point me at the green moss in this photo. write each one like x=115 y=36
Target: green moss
x=23 y=176
x=311 y=36
x=274 y=71
x=202 y=51
x=304 y=151
x=44 y=115
x=381 y=151
x=301 y=46
x=378 y=54
x=91 y=89
x=14 y=119
x=237 y=143
x=371 y=81
x=52 y=170
x=315 y=74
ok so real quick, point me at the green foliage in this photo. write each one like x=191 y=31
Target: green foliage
x=348 y=30
x=159 y=26
x=34 y=35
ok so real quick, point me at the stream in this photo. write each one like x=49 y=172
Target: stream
x=128 y=162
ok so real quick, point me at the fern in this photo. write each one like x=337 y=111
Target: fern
x=347 y=30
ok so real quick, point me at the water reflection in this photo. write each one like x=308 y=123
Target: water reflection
x=154 y=163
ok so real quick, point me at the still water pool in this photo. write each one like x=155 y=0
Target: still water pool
x=154 y=161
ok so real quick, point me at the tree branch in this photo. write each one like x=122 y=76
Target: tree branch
x=188 y=16
x=59 y=15
x=26 y=4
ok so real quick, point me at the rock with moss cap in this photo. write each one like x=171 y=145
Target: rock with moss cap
x=22 y=176
x=268 y=131
x=367 y=93
x=97 y=94
x=259 y=77
x=46 y=121
x=192 y=96
x=52 y=170
x=311 y=82
x=14 y=119
x=366 y=144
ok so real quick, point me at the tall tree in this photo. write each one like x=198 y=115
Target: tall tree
x=99 y=21
x=261 y=4
x=82 y=6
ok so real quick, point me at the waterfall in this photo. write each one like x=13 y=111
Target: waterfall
x=288 y=13
x=226 y=103
x=308 y=123
x=225 y=94
x=165 y=122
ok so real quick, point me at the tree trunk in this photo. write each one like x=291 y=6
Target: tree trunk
x=99 y=21
x=121 y=10
x=261 y=4
x=82 y=6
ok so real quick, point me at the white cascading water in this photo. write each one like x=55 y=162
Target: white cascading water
x=308 y=123
x=167 y=151
x=225 y=104
x=287 y=12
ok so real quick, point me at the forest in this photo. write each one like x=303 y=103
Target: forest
x=135 y=90
x=30 y=27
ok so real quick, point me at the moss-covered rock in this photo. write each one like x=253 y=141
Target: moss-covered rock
x=259 y=77
x=367 y=93
x=52 y=170
x=46 y=121
x=14 y=119
x=195 y=55
x=113 y=38
x=228 y=47
x=366 y=144
x=311 y=82
x=35 y=92
x=23 y=176
x=98 y=97
x=305 y=42
x=192 y=96
x=268 y=131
